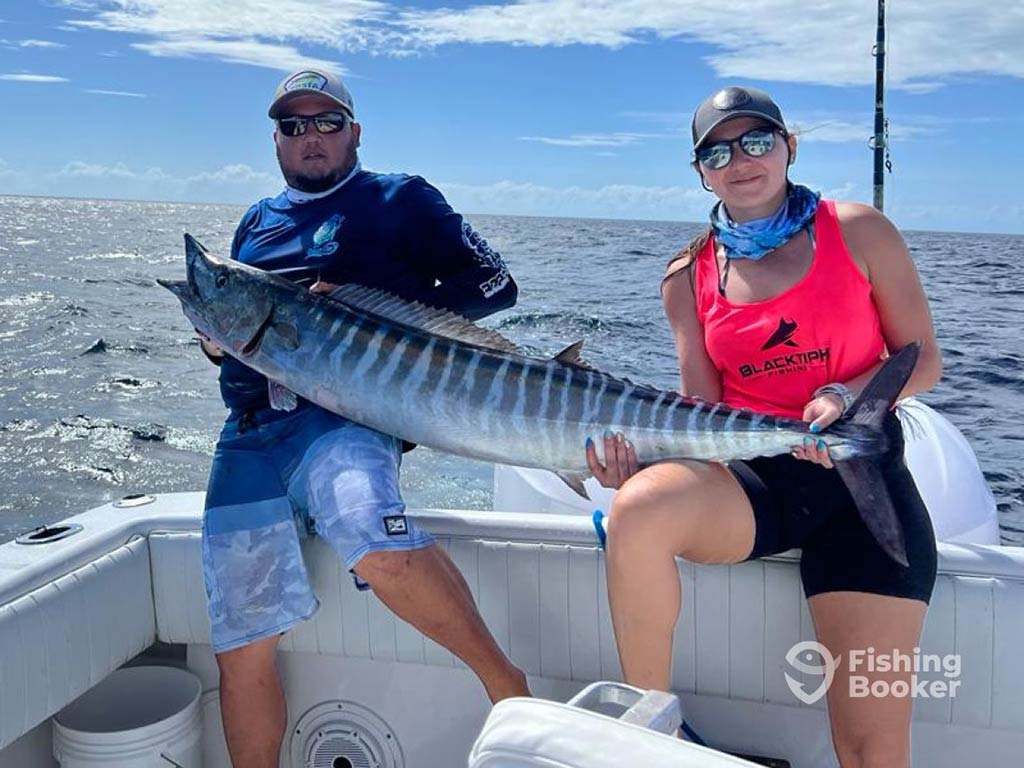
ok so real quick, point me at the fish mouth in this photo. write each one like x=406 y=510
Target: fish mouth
x=254 y=343
x=183 y=289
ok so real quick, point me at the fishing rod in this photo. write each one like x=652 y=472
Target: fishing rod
x=880 y=141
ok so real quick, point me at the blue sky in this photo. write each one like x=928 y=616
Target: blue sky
x=538 y=107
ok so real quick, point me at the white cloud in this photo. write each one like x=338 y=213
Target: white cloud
x=129 y=94
x=28 y=78
x=255 y=32
x=252 y=52
x=781 y=40
x=836 y=130
x=774 y=40
x=40 y=44
x=621 y=201
x=78 y=168
x=229 y=174
x=595 y=139
x=820 y=126
x=235 y=183
x=237 y=173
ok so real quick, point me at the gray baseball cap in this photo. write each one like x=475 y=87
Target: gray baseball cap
x=731 y=102
x=307 y=82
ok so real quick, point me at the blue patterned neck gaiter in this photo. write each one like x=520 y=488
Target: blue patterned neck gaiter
x=753 y=239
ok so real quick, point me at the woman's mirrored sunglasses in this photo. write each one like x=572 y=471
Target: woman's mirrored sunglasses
x=325 y=122
x=757 y=142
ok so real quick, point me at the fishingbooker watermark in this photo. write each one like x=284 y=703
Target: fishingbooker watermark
x=932 y=676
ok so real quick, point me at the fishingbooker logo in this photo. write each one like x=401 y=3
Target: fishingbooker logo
x=865 y=669
x=323 y=239
x=788 y=362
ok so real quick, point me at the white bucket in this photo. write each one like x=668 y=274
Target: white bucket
x=139 y=717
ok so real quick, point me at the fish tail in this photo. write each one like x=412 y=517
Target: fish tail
x=863 y=474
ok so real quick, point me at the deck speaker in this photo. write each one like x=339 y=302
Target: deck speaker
x=343 y=734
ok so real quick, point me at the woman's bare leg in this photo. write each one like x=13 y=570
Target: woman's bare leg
x=868 y=732
x=691 y=509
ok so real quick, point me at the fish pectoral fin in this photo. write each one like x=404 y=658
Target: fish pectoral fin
x=281 y=398
x=575 y=481
x=573 y=355
x=288 y=334
x=437 y=321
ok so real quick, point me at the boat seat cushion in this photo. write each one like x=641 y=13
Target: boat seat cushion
x=523 y=733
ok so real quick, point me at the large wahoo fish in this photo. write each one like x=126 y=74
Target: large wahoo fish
x=433 y=378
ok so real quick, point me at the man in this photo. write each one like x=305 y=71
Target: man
x=276 y=470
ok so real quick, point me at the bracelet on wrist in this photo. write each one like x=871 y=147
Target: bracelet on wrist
x=839 y=390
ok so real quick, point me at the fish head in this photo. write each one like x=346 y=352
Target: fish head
x=230 y=303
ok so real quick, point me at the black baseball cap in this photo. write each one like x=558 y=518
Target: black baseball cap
x=734 y=101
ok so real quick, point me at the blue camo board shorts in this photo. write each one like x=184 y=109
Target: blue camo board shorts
x=276 y=477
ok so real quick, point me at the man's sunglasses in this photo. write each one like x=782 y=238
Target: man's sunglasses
x=757 y=142
x=325 y=122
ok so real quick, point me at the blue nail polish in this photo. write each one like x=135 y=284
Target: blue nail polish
x=608 y=434
x=821 y=445
x=815 y=428
x=807 y=442
x=589 y=442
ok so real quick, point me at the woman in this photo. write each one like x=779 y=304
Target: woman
x=787 y=305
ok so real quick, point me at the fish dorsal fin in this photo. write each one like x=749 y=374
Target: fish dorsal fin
x=573 y=355
x=437 y=321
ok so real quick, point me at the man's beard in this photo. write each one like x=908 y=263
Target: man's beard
x=303 y=182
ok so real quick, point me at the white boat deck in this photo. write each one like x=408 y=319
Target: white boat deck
x=74 y=610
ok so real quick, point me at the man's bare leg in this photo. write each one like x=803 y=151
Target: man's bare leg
x=252 y=704
x=423 y=587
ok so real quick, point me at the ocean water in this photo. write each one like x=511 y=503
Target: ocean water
x=103 y=390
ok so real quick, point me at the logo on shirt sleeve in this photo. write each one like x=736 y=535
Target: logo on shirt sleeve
x=488 y=257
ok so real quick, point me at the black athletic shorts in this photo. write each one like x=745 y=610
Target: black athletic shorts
x=800 y=504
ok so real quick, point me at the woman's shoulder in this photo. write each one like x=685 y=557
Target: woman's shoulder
x=860 y=218
x=869 y=235
x=864 y=225
x=687 y=256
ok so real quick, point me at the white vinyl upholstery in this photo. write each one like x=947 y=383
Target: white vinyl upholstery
x=533 y=733
x=60 y=639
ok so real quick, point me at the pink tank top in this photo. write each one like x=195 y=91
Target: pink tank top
x=773 y=354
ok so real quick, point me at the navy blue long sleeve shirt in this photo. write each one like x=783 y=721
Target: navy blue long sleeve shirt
x=389 y=231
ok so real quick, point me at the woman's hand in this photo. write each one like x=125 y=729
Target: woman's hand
x=620 y=457
x=822 y=411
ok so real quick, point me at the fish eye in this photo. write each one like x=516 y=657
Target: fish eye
x=221 y=280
